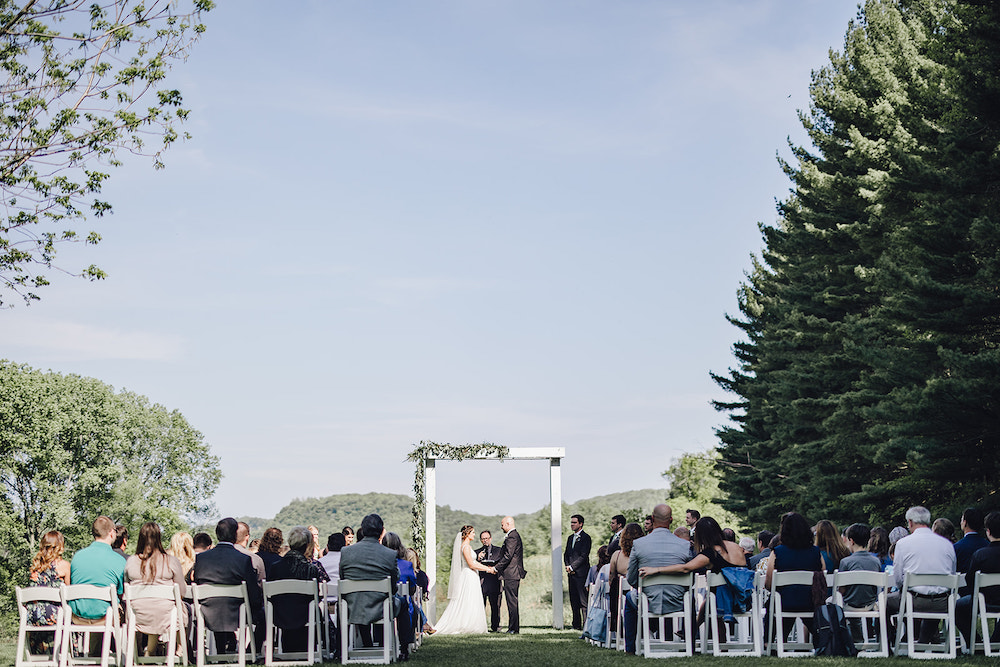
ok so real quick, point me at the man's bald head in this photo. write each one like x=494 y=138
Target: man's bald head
x=663 y=516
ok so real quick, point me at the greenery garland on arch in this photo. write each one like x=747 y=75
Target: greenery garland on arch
x=446 y=451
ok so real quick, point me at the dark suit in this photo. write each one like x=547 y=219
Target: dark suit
x=510 y=567
x=224 y=565
x=490 y=583
x=986 y=560
x=615 y=543
x=577 y=558
x=964 y=548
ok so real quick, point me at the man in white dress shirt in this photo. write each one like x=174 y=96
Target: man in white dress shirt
x=922 y=552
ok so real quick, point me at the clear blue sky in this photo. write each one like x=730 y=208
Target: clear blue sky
x=513 y=222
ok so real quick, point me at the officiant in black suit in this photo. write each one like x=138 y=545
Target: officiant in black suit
x=488 y=555
x=577 y=560
x=510 y=567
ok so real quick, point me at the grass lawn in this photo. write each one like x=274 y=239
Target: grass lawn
x=545 y=646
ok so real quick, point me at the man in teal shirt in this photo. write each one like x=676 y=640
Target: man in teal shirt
x=99 y=565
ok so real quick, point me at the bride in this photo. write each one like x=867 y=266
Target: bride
x=466 y=613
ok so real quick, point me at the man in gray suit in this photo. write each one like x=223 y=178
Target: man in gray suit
x=658 y=549
x=368 y=560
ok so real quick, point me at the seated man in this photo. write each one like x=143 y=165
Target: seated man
x=971 y=542
x=986 y=560
x=657 y=549
x=97 y=565
x=859 y=596
x=225 y=565
x=764 y=538
x=922 y=552
x=368 y=560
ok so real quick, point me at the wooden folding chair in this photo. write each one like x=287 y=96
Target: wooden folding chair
x=308 y=592
x=877 y=614
x=350 y=653
x=664 y=646
x=109 y=628
x=42 y=594
x=175 y=627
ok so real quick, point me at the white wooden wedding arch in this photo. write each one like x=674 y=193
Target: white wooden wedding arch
x=555 y=456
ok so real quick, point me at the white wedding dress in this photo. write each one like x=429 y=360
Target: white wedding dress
x=466 y=612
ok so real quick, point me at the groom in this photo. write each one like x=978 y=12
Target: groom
x=510 y=567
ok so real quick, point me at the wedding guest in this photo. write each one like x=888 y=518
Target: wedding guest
x=647 y=524
x=985 y=560
x=830 y=544
x=367 y=560
x=661 y=547
x=617 y=526
x=331 y=561
x=602 y=560
x=151 y=564
x=746 y=543
x=683 y=532
x=878 y=544
x=972 y=540
x=796 y=551
x=291 y=612
x=945 y=528
x=242 y=545
x=254 y=544
x=713 y=551
x=424 y=583
x=121 y=541
x=202 y=542
x=860 y=559
x=764 y=538
x=226 y=566
x=896 y=534
x=728 y=534
x=48 y=569
x=182 y=548
x=349 y=535
x=96 y=564
x=317 y=548
x=270 y=549
x=618 y=565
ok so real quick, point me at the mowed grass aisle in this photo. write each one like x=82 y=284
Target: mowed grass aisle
x=545 y=646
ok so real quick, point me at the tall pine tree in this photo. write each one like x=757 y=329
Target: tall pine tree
x=832 y=375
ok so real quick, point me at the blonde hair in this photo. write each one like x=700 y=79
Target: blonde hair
x=182 y=547
x=49 y=551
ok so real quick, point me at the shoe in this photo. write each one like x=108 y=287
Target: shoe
x=512 y=632
x=428 y=630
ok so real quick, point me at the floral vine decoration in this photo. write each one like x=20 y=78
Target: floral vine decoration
x=446 y=451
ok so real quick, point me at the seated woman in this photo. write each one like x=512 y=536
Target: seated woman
x=878 y=544
x=407 y=574
x=424 y=583
x=270 y=548
x=50 y=570
x=151 y=564
x=795 y=553
x=831 y=545
x=618 y=567
x=291 y=612
x=713 y=551
x=182 y=548
x=595 y=569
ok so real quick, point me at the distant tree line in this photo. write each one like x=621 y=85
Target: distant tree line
x=867 y=376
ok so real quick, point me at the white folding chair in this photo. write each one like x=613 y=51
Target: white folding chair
x=750 y=624
x=175 y=623
x=623 y=588
x=41 y=594
x=907 y=614
x=109 y=628
x=244 y=633
x=664 y=646
x=777 y=615
x=879 y=648
x=308 y=590
x=980 y=612
x=350 y=653
x=328 y=597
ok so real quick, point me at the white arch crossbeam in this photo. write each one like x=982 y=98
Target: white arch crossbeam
x=555 y=456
